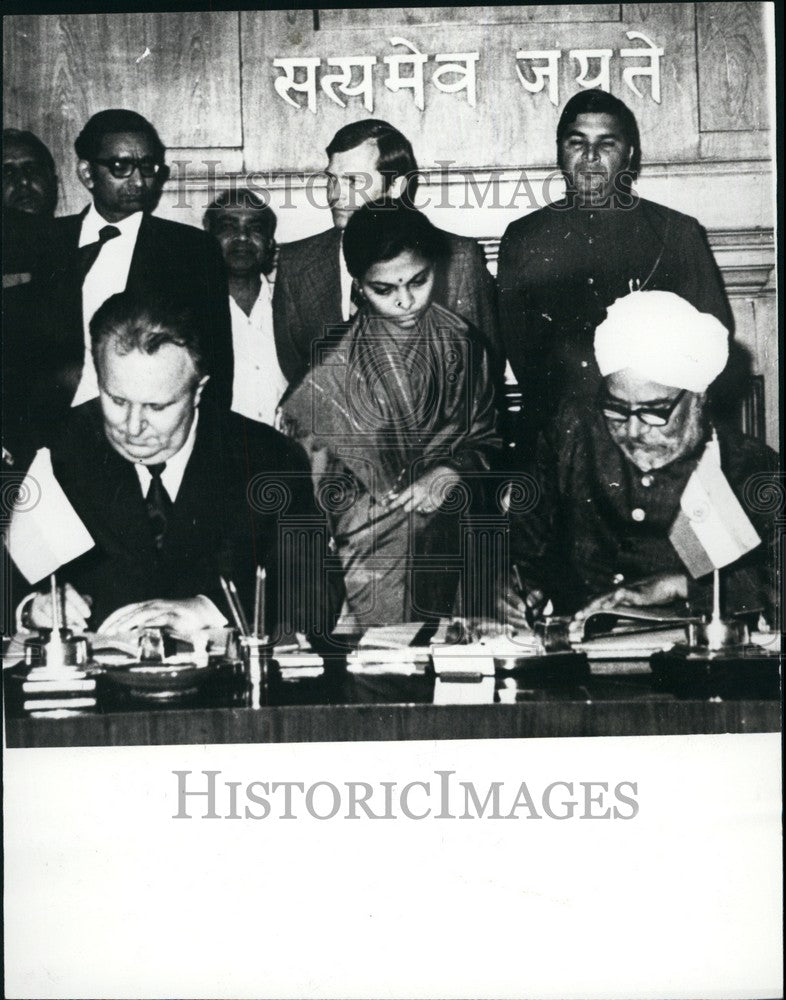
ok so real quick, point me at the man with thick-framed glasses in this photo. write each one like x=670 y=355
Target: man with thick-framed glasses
x=610 y=477
x=116 y=245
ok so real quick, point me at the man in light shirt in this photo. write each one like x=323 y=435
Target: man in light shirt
x=173 y=489
x=244 y=227
x=116 y=244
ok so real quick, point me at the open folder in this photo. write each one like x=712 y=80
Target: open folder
x=626 y=621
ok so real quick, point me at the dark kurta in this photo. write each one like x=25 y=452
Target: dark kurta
x=559 y=270
x=599 y=522
x=384 y=408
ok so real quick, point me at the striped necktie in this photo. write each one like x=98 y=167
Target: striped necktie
x=159 y=504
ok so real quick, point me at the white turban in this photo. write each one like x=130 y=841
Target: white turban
x=662 y=338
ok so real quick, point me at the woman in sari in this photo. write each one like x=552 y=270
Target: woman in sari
x=399 y=416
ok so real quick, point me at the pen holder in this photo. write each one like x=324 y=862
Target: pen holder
x=255 y=658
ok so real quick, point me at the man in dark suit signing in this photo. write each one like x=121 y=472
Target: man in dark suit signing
x=116 y=244
x=313 y=291
x=174 y=490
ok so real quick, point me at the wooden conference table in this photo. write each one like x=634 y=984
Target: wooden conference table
x=618 y=698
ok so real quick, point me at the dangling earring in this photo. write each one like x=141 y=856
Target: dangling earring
x=356 y=296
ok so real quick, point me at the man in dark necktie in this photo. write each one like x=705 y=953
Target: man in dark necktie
x=116 y=244
x=174 y=490
x=88 y=254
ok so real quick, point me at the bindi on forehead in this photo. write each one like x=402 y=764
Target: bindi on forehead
x=399 y=270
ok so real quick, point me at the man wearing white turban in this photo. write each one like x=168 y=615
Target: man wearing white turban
x=610 y=477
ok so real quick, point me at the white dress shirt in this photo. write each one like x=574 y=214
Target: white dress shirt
x=347 y=309
x=108 y=275
x=259 y=382
x=172 y=476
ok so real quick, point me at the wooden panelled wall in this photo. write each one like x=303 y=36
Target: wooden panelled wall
x=207 y=81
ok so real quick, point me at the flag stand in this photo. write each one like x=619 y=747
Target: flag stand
x=54 y=678
x=58 y=654
x=717 y=660
x=55 y=650
x=717 y=631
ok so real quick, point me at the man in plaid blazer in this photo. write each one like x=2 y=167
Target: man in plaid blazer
x=313 y=297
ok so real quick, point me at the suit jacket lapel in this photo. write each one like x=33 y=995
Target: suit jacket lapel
x=446 y=275
x=61 y=299
x=144 y=255
x=206 y=506
x=119 y=491
x=322 y=279
x=72 y=226
x=109 y=497
x=127 y=512
x=61 y=268
x=196 y=498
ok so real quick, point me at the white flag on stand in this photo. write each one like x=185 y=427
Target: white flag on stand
x=711 y=529
x=45 y=531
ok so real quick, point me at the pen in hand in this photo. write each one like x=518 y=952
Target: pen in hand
x=534 y=600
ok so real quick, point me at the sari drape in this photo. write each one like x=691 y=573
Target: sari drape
x=383 y=407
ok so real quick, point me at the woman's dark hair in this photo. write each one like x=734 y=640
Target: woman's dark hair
x=599 y=102
x=381 y=230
